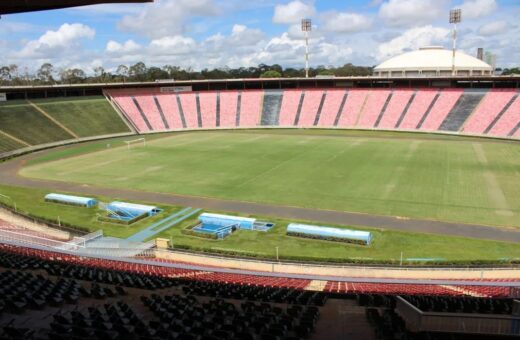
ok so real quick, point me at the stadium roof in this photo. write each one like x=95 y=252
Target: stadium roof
x=20 y=6
x=432 y=59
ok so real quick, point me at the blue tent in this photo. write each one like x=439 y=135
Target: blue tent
x=74 y=200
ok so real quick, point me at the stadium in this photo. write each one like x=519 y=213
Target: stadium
x=383 y=207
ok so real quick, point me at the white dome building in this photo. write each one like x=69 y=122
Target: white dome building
x=432 y=61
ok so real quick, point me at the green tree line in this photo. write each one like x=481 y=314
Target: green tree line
x=47 y=74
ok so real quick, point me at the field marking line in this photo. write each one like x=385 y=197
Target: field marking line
x=495 y=191
x=397 y=174
x=277 y=166
x=18 y=140
x=349 y=147
x=54 y=120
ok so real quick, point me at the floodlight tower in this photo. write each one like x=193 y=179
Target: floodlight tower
x=306 y=29
x=455 y=18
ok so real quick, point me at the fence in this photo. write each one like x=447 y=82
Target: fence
x=481 y=324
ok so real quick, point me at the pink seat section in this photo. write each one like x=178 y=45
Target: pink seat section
x=208 y=109
x=331 y=107
x=228 y=108
x=508 y=121
x=441 y=109
x=151 y=112
x=417 y=109
x=487 y=111
x=170 y=110
x=189 y=107
x=311 y=104
x=126 y=103
x=251 y=108
x=289 y=108
x=372 y=108
x=395 y=108
x=352 y=108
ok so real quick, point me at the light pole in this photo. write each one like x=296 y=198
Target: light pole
x=455 y=18
x=306 y=29
x=277 y=257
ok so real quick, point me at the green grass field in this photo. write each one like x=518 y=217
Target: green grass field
x=450 y=179
x=386 y=246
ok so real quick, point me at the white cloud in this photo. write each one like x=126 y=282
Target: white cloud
x=411 y=12
x=55 y=43
x=472 y=9
x=413 y=39
x=345 y=22
x=176 y=45
x=129 y=47
x=292 y=12
x=494 y=28
x=166 y=18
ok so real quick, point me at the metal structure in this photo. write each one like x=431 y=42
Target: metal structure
x=455 y=18
x=19 y=6
x=306 y=29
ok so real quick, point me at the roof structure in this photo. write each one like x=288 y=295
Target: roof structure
x=432 y=61
x=21 y=6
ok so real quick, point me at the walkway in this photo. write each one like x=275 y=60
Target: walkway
x=9 y=175
x=163 y=225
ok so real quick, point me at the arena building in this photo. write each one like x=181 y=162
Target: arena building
x=432 y=61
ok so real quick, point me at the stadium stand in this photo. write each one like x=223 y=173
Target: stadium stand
x=60 y=294
x=208 y=109
x=400 y=99
x=151 y=112
x=493 y=112
x=289 y=108
x=508 y=121
x=251 y=108
x=375 y=104
x=331 y=107
x=490 y=107
x=271 y=108
x=464 y=107
x=168 y=104
x=440 y=110
x=310 y=107
x=188 y=107
x=477 y=112
x=353 y=107
x=228 y=108
x=411 y=119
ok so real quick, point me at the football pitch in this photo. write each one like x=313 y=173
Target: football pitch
x=455 y=179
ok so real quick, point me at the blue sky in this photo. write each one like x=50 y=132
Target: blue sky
x=219 y=33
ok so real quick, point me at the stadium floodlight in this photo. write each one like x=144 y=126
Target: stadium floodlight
x=306 y=29
x=455 y=18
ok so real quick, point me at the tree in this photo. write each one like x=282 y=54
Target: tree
x=5 y=73
x=509 y=71
x=138 y=71
x=122 y=70
x=72 y=76
x=326 y=73
x=271 y=74
x=45 y=73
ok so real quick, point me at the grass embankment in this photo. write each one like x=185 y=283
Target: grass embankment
x=386 y=247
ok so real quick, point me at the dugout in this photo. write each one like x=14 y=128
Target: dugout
x=71 y=200
x=226 y=220
x=356 y=236
x=131 y=210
